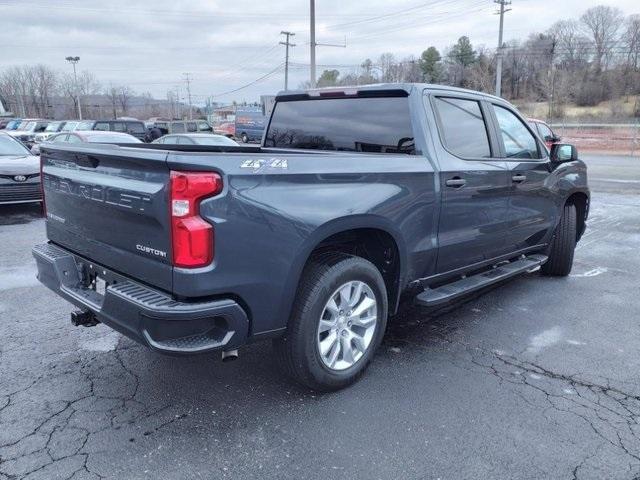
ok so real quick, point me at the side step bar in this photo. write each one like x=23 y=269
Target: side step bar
x=437 y=296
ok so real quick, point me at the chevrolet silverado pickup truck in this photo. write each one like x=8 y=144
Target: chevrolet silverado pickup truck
x=357 y=199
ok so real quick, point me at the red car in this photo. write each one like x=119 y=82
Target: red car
x=228 y=129
x=545 y=132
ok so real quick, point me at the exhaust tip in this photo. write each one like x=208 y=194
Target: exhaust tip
x=229 y=355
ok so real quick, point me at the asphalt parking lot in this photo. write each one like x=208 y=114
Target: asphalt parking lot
x=538 y=378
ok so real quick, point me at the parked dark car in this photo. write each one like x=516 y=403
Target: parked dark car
x=19 y=172
x=196 y=139
x=132 y=127
x=546 y=133
x=186 y=126
x=358 y=198
x=4 y=122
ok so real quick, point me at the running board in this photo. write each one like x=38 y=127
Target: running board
x=451 y=291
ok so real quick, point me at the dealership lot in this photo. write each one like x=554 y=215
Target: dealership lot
x=537 y=378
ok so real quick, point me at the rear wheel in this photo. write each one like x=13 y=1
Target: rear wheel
x=338 y=321
x=563 y=245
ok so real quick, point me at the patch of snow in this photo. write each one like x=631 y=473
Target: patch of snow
x=594 y=272
x=11 y=278
x=545 y=339
x=105 y=342
x=575 y=342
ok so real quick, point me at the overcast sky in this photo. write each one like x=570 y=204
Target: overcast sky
x=227 y=44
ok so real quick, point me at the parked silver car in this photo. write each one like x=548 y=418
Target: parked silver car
x=27 y=131
x=196 y=139
x=19 y=172
x=52 y=129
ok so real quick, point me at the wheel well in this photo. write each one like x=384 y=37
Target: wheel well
x=373 y=244
x=581 y=202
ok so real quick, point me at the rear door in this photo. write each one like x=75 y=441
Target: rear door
x=110 y=205
x=532 y=211
x=474 y=184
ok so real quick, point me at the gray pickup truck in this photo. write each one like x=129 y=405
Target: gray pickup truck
x=358 y=198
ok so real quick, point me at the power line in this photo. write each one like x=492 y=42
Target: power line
x=266 y=75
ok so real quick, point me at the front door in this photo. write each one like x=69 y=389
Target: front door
x=532 y=211
x=474 y=184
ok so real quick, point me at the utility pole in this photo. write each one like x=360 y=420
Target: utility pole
x=501 y=12
x=287 y=44
x=73 y=61
x=188 y=80
x=312 y=44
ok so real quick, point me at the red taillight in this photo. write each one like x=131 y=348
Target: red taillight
x=192 y=237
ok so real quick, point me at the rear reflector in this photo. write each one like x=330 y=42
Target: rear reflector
x=192 y=237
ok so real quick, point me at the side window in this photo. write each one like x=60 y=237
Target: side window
x=518 y=140
x=104 y=126
x=170 y=140
x=545 y=132
x=74 y=139
x=191 y=127
x=60 y=138
x=203 y=127
x=119 y=127
x=135 y=127
x=185 y=141
x=464 y=130
x=177 y=128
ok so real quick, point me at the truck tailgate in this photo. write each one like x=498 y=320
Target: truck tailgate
x=110 y=205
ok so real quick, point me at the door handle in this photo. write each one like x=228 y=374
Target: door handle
x=519 y=178
x=455 y=182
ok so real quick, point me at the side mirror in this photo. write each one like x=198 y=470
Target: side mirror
x=35 y=150
x=563 y=152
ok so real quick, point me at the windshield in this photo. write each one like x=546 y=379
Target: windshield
x=219 y=140
x=9 y=146
x=52 y=127
x=85 y=126
x=69 y=126
x=381 y=125
x=27 y=126
x=112 y=138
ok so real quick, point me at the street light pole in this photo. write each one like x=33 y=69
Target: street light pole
x=73 y=61
x=312 y=43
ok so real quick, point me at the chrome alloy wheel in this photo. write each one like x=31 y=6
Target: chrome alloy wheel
x=347 y=325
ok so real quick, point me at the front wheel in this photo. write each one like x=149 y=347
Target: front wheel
x=338 y=321
x=563 y=245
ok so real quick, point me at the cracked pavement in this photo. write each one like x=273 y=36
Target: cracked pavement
x=537 y=378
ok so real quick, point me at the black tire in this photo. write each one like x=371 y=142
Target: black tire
x=245 y=138
x=297 y=351
x=563 y=245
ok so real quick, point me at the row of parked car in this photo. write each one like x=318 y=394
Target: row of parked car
x=20 y=147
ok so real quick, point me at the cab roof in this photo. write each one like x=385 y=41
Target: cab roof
x=396 y=89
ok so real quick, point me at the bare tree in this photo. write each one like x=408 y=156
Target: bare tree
x=112 y=95
x=124 y=97
x=601 y=24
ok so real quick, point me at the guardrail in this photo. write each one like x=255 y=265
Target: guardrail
x=618 y=138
